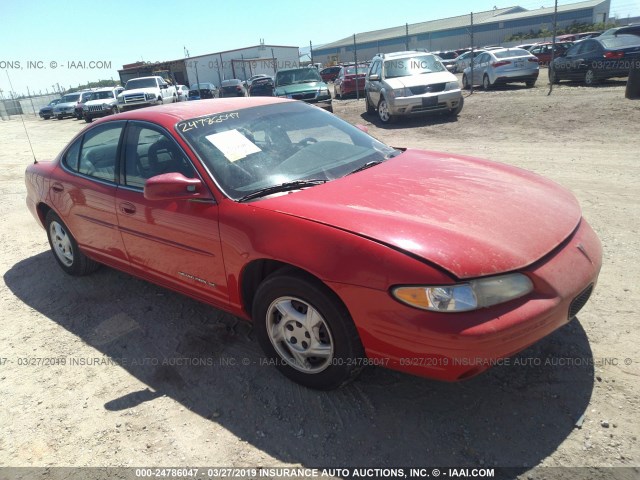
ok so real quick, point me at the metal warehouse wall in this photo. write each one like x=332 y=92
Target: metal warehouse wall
x=484 y=34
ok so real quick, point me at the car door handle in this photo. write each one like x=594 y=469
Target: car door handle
x=57 y=187
x=127 y=208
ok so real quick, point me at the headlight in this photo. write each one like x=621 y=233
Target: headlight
x=401 y=92
x=452 y=86
x=120 y=99
x=149 y=96
x=106 y=106
x=463 y=297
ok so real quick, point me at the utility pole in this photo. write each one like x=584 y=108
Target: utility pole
x=355 y=61
x=553 y=45
x=406 y=36
x=311 y=52
x=472 y=59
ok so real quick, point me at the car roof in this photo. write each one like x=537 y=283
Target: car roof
x=170 y=114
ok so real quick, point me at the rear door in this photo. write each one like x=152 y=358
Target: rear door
x=175 y=242
x=85 y=196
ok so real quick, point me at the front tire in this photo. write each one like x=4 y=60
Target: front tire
x=306 y=331
x=383 y=112
x=65 y=249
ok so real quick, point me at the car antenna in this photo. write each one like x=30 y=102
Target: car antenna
x=23 y=124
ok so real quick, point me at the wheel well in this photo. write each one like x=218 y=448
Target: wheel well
x=43 y=209
x=256 y=272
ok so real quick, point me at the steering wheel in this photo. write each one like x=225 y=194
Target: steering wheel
x=307 y=141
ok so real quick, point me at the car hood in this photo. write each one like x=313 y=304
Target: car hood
x=135 y=91
x=300 y=87
x=100 y=101
x=418 y=80
x=471 y=217
x=65 y=104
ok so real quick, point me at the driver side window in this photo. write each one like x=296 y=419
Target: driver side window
x=150 y=152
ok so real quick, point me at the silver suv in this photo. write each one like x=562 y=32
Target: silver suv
x=103 y=101
x=410 y=83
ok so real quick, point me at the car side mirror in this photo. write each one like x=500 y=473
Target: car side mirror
x=164 y=85
x=374 y=78
x=174 y=186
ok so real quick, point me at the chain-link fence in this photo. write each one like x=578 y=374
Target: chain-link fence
x=24 y=106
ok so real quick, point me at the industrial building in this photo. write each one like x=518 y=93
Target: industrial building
x=489 y=28
x=241 y=63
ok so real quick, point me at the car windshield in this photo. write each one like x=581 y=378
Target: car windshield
x=72 y=97
x=201 y=86
x=621 y=41
x=302 y=75
x=418 y=65
x=448 y=55
x=252 y=149
x=101 y=95
x=513 y=52
x=140 y=83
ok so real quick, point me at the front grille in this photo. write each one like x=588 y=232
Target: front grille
x=580 y=301
x=95 y=108
x=303 y=96
x=136 y=97
x=440 y=106
x=422 y=89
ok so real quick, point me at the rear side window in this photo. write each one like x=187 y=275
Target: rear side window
x=70 y=159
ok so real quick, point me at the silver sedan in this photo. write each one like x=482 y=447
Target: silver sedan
x=501 y=66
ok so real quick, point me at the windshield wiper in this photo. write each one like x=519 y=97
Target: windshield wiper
x=365 y=166
x=373 y=163
x=283 y=187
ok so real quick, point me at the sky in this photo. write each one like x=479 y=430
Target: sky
x=72 y=42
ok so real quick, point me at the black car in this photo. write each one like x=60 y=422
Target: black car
x=46 y=112
x=261 y=87
x=596 y=59
x=233 y=88
x=202 y=90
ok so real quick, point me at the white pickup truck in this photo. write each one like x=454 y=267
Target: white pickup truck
x=146 y=91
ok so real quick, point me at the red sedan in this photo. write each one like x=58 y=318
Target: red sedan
x=350 y=80
x=543 y=51
x=344 y=252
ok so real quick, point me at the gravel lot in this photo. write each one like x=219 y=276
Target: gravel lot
x=155 y=379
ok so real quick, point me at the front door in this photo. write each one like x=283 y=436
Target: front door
x=176 y=242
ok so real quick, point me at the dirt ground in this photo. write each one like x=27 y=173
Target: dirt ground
x=152 y=378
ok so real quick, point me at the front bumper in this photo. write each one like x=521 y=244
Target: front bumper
x=453 y=347
x=428 y=102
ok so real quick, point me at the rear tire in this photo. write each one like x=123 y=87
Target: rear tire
x=590 y=78
x=530 y=83
x=65 y=248
x=465 y=82
x=295 y=316
x=486 y=83
x=369 y=107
